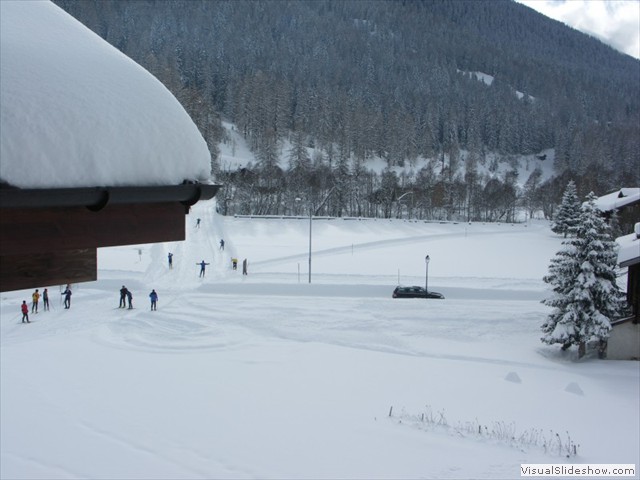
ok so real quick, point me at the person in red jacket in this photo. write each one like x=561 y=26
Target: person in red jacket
x=25 y=311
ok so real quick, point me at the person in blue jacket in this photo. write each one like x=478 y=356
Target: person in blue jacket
x=202 y=267
x=154 y=299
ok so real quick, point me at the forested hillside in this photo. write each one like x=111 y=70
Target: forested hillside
x=329 y=85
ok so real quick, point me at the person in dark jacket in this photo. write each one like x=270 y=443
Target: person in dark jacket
x=45 y=299
x=123 y=297
x=67 y=297
x=25 y=311
x=202 y=267
x=244 y=267
x=170 y=257
x=154 y=300
x=130 y=298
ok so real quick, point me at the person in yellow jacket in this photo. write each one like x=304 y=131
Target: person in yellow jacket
x=35 y=297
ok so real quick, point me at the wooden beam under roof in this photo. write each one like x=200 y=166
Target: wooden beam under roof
x=18 y=272
x=48 y=230
x=51 y=236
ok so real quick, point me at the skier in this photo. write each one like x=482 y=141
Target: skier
x=25 y=311
x=45 y=299
x=202 y=267
x=154 y=299
x=198 y=223
x=221 y=244
x=129 y=298
x=170 y=256
x=123 y=296
x=35 y=297
x=244 y=267
x=234 y=263
x=67 y=297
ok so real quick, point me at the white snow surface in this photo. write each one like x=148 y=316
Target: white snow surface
x=76 y=112
x=268 y=376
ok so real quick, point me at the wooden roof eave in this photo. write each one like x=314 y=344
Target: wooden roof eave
x=96 y=198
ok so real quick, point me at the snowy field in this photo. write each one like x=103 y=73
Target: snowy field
x=268 y=376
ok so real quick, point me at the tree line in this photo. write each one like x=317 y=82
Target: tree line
x=352 y=81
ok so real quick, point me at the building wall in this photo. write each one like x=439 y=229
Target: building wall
x=628 y=217
x=624 y=342
x=633 y=290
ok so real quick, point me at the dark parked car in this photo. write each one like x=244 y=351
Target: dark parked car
x=414 y=292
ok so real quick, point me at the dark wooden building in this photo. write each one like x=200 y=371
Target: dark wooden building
x=51 y=236
x=625 y=203
x=629 y=258
x=624 y=339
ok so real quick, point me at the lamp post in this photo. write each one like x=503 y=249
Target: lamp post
x=298 y=199
x=310 y=222
x=311 y=212
x=426 y=277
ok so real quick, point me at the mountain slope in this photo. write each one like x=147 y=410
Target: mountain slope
x=385 y=79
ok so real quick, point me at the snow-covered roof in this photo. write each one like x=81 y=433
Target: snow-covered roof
x=618 y=199
x=629 y=252
x=76 y=112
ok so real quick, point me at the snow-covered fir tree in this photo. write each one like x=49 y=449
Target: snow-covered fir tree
x=586 y=297
x=568 y=214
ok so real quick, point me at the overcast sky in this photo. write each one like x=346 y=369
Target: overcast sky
x=615 y=22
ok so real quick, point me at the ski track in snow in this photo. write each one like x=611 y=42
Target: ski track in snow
x=217 y=314
x=372 y=246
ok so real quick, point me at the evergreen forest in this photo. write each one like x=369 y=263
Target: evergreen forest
x=318 y=88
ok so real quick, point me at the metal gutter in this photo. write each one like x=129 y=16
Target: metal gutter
x=96 y=198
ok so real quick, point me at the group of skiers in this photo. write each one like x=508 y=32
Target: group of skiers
x=203 y=265
x=126 y=297
x=234 y=265
x=35 y=300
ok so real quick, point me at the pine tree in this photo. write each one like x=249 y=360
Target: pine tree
x=569 y=212
x=583 y=277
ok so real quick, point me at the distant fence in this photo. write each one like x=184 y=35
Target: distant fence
x=306 y=217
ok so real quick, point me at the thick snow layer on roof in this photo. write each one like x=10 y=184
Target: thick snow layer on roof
x=618 y=199
x=76 y=112
x=629 y=246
